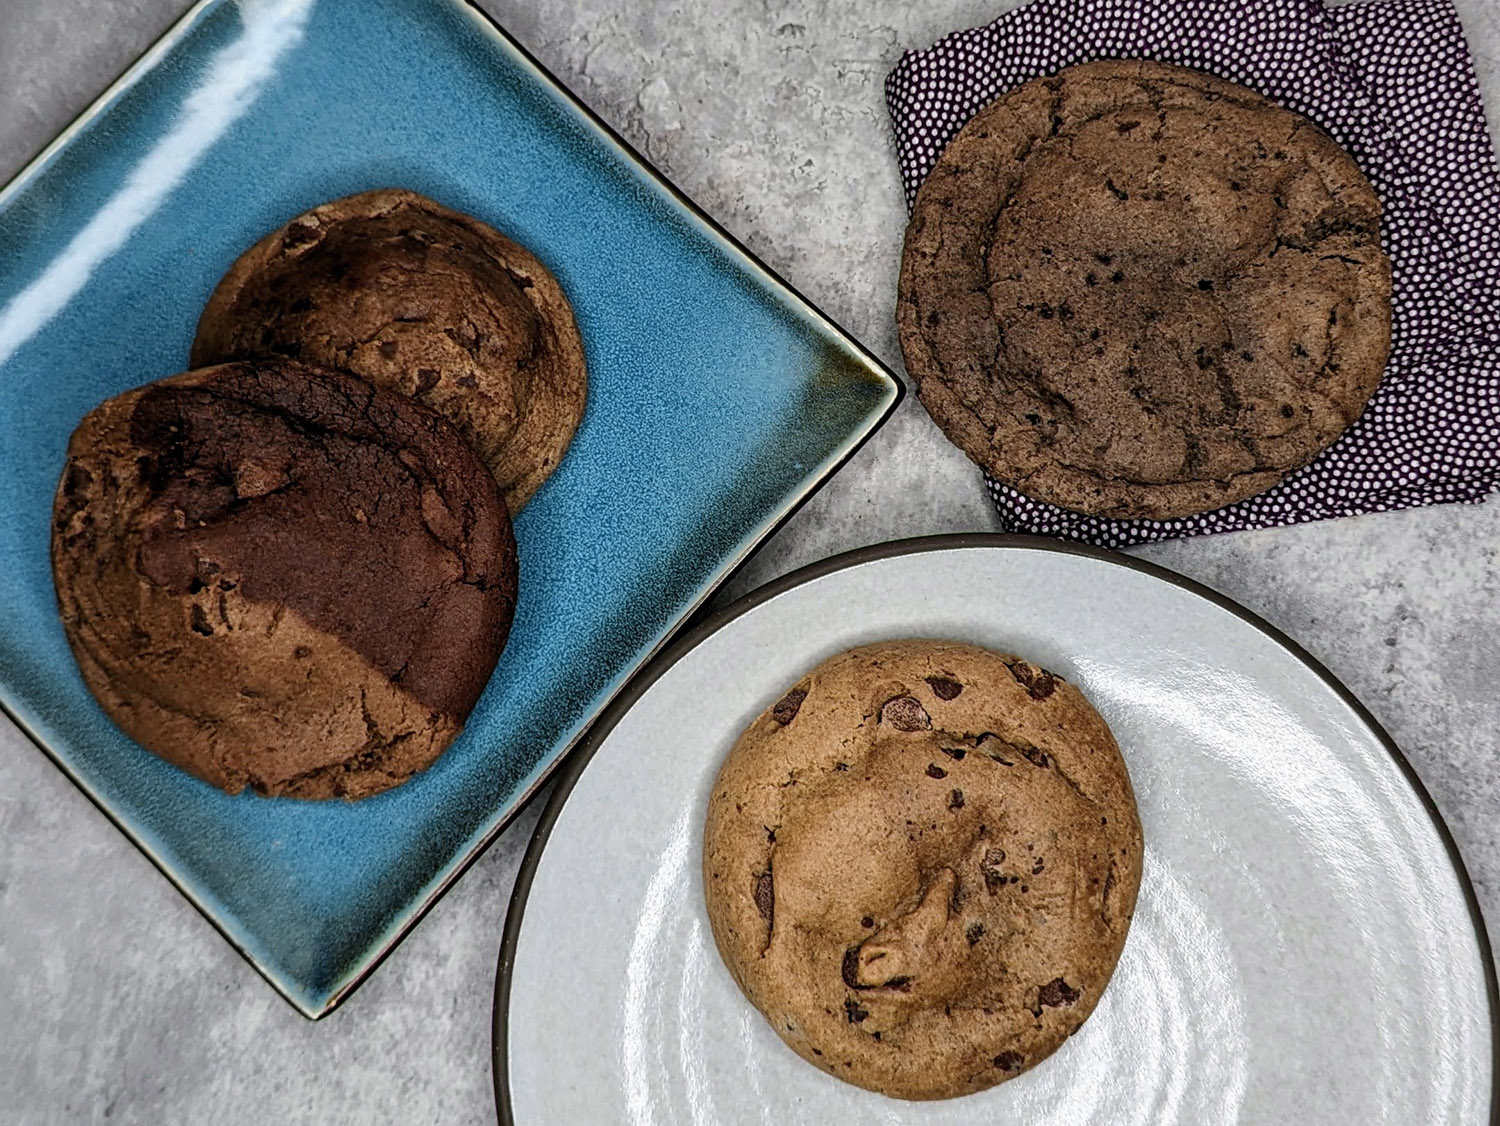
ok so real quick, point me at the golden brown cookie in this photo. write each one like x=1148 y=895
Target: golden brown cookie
x=281 y=577
x=920 y=865
x=1137 y=290
x=416 y=298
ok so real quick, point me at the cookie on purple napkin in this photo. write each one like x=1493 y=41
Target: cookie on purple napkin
x=1138 y=290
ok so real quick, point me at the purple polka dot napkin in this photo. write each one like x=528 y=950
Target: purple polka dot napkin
x=1393 y=82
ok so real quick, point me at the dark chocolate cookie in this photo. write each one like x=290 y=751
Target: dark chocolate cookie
x=280 y=577
x=1137 y=290
x=920 y=865
x=423 y=300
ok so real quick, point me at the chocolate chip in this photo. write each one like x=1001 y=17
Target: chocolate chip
x=867 y=922
x=936 y=771
x=854 y=1011
x=427 y=379
x=944 y=688
x=1009 y=1061
x=974 y=932
x=387 y=349
x=200 y=622
x=785 y=709
x=765 y=896
x=1039 y=683
x=905 y=713
x=1056 y=992
x=955 y=753
x=956 y=800
x=1036 y=869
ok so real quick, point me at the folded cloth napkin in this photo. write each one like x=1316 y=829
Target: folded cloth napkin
x=1393 y=82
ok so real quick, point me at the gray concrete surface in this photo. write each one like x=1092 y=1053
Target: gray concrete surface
x=119 y=1004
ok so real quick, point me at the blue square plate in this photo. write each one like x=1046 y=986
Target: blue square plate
x=719 y=400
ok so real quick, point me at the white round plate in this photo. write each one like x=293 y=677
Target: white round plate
x=1306 y=949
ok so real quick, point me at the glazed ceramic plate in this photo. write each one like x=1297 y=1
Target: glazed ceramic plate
x=718 y=400
x=1306 y=947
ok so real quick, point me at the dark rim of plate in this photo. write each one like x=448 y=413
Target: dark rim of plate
x=689 y=619
x=578 y=761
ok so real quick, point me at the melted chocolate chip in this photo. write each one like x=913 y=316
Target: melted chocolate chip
x=299 y=234
x=1056 y=992
x=765 y=896
x=1009 y=1061
x=854 y=1011
x=990 y=866
x=936 y=771
x=905 y=713
x=785 y=709
x=850 y=969
x=1035 y=756
x=956 y=800
x=1039 y=683
x=944 y=688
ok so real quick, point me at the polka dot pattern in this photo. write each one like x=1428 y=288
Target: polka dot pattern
x=1393 y=82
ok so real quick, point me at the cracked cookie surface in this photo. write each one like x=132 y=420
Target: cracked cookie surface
x=280 y=577
x=1138 y=290
x=920 y=865
x=416 y=298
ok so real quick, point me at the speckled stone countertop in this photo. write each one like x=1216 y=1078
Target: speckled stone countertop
x=122 y=1004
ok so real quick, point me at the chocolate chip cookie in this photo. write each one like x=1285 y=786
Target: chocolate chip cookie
x=283 y=578
x=920 y=864
x=1137 y=290
x=417 y=298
